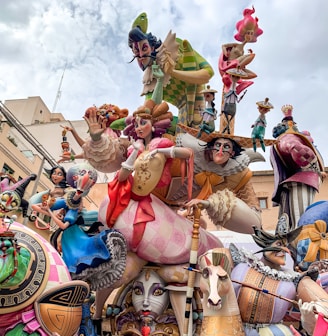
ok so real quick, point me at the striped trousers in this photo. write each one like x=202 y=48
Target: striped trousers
x=295 y=198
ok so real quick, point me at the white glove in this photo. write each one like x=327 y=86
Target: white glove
x=129 y=163
x=168 y=152
x=308 y=318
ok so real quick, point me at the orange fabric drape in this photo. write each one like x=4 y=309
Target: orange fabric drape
x=207 y=180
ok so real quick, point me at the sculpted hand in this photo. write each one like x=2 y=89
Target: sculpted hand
x=157 y=71
x=66 y=128
x=205 y=204
x=138 y=145
x=64 y=158
x=96 y=125
x=151 y=154
x=308 y=317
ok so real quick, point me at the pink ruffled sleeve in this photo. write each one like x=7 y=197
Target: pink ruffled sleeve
x=106 y=154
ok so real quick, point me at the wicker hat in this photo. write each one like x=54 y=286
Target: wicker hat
x=243 y=142
x=265 y=103
x=208 y=90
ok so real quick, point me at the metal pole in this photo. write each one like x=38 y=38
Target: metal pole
x=36 y=182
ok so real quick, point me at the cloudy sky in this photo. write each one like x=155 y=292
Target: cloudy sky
x=39 y=38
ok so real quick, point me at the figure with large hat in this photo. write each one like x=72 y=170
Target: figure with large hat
x=209 y=114
x=260 y=123
x=222 y=178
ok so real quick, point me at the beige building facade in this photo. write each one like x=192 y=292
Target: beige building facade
x=20 y=158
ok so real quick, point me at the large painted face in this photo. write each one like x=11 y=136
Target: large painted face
x=149 y=296
x=57 y=176
x=142 y=50
x=143 y=128
x=9 y=201
x=277 y=258
x=82 y=177
x=222 y=151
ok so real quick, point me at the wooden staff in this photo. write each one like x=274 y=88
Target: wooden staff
x=192 y=265
x=265 y=291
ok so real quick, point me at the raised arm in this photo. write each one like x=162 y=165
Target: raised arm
x=128 y=165
x=102 y=151
x=78 y=139
x=201 y=76
x=71 y=157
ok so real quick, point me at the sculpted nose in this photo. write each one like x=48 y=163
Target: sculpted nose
x=221 y=150
x=145 y=303
x=214 y=301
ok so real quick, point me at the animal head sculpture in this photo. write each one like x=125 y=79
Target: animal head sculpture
x=215 y=283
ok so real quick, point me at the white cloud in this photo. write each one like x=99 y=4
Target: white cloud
x=39 y=37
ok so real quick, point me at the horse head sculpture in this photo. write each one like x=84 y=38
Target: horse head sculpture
x=220 y=307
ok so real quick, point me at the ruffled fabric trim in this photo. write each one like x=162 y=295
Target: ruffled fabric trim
x=221 y=206
x=233 y=166
x=105 y=155
x=107 y=273
x=240 y=255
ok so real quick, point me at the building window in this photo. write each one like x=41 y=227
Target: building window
x=263 y=203
x=7 y=170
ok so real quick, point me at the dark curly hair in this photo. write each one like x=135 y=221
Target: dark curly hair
x=136 y=35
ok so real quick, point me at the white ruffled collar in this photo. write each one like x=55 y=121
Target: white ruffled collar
x=233 y=166
x=240 y=255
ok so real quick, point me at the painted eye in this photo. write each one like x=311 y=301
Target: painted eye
x=223 y=277
x=137 y=291
x=4 y=197
x=159 y=292
x=205 y=273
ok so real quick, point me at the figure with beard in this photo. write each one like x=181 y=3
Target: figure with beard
x=185 y=70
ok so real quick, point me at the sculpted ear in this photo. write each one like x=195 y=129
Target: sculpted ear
x=208 y=261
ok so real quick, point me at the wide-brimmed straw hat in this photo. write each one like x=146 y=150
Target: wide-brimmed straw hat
x=243 y=142
x=208 y=90
x=265 y=103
